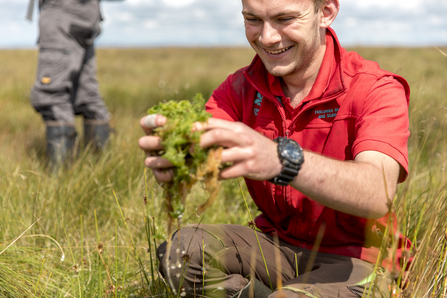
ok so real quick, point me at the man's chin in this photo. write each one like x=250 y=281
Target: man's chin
x=280 y=71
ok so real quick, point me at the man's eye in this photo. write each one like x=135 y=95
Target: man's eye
x=284 y=19
x=251 y=19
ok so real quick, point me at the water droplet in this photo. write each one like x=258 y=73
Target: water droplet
x=183 y=252
x=220 y=288
x=179 y=265
x=177 y=250
x=172 y=267
x=161 y=255
x=182 y=294
x=177 y=275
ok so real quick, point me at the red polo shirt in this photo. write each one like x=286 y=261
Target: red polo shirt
x=353 y=106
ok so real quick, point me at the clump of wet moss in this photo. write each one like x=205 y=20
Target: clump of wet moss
x=181 y=147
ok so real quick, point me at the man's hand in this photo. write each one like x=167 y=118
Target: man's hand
x=161 y=168
x=253 y=155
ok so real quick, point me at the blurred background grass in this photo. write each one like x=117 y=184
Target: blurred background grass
x=100 y=200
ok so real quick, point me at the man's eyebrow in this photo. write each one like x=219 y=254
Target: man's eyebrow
x=248 y=13
x=280 y=14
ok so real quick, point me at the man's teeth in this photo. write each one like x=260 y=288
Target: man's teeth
x=279 y=51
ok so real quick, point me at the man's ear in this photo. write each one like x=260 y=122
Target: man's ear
x=329 y=12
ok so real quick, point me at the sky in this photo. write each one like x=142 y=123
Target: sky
x=155 y=23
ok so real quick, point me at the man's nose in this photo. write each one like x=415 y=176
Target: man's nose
x=269 y=35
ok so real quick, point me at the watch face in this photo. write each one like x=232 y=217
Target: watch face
x=293 y=152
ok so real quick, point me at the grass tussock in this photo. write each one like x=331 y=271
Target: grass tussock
x=104 y=212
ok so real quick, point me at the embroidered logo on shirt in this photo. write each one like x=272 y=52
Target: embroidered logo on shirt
x=258 y=102
x=328 y=113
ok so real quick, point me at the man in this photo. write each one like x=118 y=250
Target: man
x=325 y=185
x=66 y=82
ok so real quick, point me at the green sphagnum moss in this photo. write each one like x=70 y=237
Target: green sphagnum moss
x=181 y=147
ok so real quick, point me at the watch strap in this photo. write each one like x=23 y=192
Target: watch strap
x=287 y=174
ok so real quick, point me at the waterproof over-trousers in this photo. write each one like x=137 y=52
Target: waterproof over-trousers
x=66 y=83
x=218 y=260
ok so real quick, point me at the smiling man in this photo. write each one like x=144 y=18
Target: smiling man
x=320 y=136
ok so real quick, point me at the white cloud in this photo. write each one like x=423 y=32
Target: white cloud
x=199 y=13
x=139 y=3
x=399 y=4
x=436 y=20
x=125 y=16
x=179 y=3
x=217 y=22
x=351 y=22
x=150 y=24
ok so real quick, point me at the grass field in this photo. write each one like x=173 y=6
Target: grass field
x=104 y=214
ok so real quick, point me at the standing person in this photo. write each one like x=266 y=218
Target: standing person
x=66 y=82
x=320 y=136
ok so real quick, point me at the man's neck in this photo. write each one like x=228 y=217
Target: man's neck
x=298 y=85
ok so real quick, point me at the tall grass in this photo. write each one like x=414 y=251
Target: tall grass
x=105 y=211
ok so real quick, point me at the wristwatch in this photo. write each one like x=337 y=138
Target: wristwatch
x=291 y=156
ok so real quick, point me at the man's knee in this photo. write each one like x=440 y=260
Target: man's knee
x=56 y=112
x=46 y=112
x=95 y=110
x=181 y=249
x=191 y=245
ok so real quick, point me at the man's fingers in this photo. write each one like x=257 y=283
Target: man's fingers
x=157 y=162
x=216 y=123
x=146 y=130
x=161 y=167
x=223 y=132
x=224 y=137
x=150 y=143
x=236 y=154
x=236 y=170
x=163 y=175
x=151 y=121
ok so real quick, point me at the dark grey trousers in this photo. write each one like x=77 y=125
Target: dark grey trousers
x=214 y=261
x=66 y=82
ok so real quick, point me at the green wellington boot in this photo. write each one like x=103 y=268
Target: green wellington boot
x=61 y=139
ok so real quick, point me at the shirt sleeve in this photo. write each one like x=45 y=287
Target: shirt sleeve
x=383 y=124
x=224 y=103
